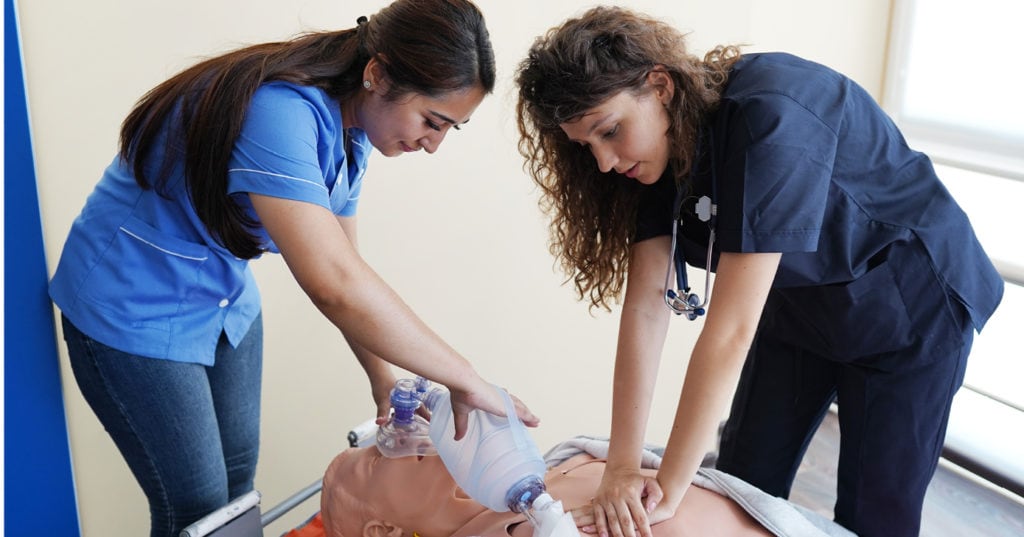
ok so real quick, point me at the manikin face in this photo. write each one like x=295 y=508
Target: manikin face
x=628 y=132
x=413 y=493
x=412 y=121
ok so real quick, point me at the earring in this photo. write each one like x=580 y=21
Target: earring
x=366 y=84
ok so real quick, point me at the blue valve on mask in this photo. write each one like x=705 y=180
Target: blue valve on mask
x=406 y=434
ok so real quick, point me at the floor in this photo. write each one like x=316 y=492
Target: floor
x=957 y=505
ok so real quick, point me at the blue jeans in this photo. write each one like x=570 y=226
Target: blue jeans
x=189 y=432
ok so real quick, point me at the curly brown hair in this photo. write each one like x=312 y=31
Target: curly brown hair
x=573 y=68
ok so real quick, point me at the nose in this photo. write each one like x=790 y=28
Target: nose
x=605 y=157
x=432 y=140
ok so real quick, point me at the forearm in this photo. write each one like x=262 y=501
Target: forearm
x=636 y=369
x=382 y=329
x=642 y=329
x=322 y=256
x=378 y=371
x=704 y=400
x=741 y=288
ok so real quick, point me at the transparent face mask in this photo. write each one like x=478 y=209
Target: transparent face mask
x=406 y=433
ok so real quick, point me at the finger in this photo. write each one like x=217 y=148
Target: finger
x=525 y=415
x=600 y=520
x=639 y=519
x=383 y=412
x=461 y=423
x=653 y=498
x=624 y=520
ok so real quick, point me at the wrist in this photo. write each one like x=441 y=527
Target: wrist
x=672 y=495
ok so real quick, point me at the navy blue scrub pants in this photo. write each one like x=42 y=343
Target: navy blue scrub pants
x=890 y=349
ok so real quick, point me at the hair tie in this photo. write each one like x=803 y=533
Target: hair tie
x=361 y=20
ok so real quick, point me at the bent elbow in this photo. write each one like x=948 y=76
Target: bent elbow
x=332 y=294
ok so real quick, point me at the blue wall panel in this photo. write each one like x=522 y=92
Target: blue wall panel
x=39 y=494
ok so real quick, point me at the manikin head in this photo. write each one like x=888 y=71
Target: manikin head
x=367 y=494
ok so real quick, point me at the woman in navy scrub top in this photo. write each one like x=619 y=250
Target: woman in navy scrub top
x=845 y=272
x=259 y=150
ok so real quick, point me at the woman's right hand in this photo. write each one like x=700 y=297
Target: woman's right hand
x=623 y=502
x=485 y=397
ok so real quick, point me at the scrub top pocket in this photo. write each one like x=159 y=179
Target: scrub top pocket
x=147 y=273
x=845 y=321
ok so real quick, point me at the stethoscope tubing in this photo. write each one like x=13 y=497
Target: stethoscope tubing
x=688 y=302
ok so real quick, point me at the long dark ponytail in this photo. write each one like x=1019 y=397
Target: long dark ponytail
x=426 y=46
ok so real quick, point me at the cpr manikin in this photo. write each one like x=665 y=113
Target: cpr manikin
x=366 y=494
x=398 y=486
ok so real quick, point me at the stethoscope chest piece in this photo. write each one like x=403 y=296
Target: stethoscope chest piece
x=691 y=306
x=681 y=300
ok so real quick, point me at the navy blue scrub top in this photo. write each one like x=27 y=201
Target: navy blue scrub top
x=806 y=163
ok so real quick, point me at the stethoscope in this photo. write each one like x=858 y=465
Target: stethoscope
x=681 y=300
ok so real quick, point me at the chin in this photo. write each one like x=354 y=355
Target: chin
x=648 y=179
x=651 y=178
x=390 y=152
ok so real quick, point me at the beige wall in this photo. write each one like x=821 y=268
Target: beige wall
x=457 y=234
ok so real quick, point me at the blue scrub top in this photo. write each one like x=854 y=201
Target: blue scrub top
x=804 y=162
x=140 y=273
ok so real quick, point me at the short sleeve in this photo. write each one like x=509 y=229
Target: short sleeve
x=775 y=176
x=278 y=151
x=654 y=215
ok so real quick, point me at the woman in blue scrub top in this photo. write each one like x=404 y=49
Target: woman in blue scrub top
x=845 y=272
x=259 y=150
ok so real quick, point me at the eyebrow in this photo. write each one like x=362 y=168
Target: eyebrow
x=593 y=127
x=600 y=121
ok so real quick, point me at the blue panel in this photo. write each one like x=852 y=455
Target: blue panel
x=39 y=494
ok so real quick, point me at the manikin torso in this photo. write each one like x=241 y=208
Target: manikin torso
x=701 y=512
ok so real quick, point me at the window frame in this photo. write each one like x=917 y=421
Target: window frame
x=981 y=436
x=945 y=143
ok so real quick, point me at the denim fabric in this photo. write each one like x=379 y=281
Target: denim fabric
x=189 y=432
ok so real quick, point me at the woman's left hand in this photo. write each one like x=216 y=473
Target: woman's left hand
x=485 y=398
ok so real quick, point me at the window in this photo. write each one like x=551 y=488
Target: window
x=954 y=88
x=954 y=81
